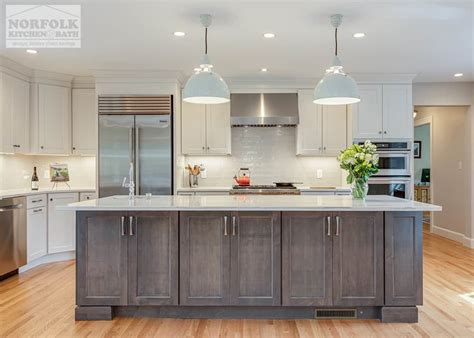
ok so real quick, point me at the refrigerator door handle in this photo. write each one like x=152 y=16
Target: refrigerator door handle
x=137 y=160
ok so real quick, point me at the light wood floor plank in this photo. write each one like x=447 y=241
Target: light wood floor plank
x=40 y=303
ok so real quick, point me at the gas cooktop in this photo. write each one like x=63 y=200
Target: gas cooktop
x=262 y=186
x=264 y=190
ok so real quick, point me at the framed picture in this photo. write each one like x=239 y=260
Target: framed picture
x=417 y=149
x=58 y=172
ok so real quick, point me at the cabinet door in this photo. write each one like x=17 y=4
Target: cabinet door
x=256 y=258
x=218 y=134
x=84 y=122
x=309 y=130
x=193 y=128
x=358 y=261
x=37 y=230
x=101 y=277
x=6 y=116
x=153 y=258
x=204 y=258
x=403 y=258
x=54 y=123
x=61 y=224
x=334 y=129
x=397 y=111
x=21 y=116
x=307 y=259
x=367 y=114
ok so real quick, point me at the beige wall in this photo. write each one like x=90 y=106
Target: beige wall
x=450 y=168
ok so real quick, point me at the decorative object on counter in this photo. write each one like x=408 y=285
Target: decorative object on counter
x=34 y=180
x=417 y=149
x=193 y=177
x=361 y=162
x=206 y=86
x=243 y=177
x=59 y=173
x=336 y=87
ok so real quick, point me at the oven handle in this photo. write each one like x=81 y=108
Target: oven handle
x=397 y=180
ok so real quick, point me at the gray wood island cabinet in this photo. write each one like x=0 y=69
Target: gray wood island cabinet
x=284 y=262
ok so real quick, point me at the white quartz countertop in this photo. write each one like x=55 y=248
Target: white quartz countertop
x=228 y=188
x=251 y=203
x=28 y=192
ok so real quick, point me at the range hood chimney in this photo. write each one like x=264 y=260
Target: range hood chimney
x=264 y=110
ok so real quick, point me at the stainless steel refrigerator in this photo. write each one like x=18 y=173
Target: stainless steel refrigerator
x=130 y=131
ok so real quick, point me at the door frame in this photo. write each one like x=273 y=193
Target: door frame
x=420 y=122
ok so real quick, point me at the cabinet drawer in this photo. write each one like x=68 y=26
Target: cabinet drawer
x=36 y=201
x=85 y=196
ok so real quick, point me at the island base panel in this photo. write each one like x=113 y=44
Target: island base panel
x=386 y=314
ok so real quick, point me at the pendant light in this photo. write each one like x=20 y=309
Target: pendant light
x=336 y=87
x=206 y=86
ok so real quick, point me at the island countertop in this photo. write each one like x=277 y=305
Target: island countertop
x=250 y=203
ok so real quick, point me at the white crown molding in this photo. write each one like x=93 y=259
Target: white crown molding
x=138 y=76
x=14 y=69
x=84 y=82
x=57 y=79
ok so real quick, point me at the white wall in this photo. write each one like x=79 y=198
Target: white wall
x=455 y=94
x=16 y=170
x=270 y=155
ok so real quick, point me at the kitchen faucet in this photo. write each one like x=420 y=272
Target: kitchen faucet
x=131 y=184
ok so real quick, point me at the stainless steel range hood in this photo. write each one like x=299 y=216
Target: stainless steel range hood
x=264 y=110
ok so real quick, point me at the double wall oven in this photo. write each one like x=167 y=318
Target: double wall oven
x=394 y=176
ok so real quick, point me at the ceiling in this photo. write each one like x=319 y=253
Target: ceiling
x=433 y=39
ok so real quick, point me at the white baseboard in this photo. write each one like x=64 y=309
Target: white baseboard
x=455 y=236
x=56 y=257
x=469 y=242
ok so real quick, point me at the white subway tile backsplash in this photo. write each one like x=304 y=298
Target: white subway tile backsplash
x=270 y=155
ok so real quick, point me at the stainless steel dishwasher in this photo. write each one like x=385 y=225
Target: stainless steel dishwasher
x=12 y=235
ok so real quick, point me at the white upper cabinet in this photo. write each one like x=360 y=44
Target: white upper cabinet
x=84 y=122
x=385 y=112
x=334 y=129
x=53 y=119
x=322 y=130
x=309 y=140
x=367 y=115
x=14 y=115
x=397 y=111
x=205 y=129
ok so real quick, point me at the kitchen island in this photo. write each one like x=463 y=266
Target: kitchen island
x=249 y=257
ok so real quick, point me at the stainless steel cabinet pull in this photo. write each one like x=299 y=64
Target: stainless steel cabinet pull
x=225 y=226
x=338 y=223
x=328 y=218
x=233 y=225
x=122 y=225
x=37 y=210
x=35 y=201
x=130 y=226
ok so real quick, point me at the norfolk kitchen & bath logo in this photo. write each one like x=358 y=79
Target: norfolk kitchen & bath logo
x=43 y=26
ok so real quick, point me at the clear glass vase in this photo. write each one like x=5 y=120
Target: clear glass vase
x=360 y=187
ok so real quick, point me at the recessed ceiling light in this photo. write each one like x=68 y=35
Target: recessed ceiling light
x=32 y=51
x=179 y=33
x=358 y=35
x=264 y=70
x=458 y=74
x=268 y=35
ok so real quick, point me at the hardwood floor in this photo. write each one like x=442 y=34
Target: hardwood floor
x=40 y=302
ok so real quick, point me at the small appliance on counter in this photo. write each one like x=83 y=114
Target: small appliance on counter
x=243 y=177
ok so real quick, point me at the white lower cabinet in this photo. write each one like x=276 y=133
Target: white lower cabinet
x=37 y=231
x=61 y=224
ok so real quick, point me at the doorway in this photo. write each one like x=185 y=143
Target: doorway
x=422 y=165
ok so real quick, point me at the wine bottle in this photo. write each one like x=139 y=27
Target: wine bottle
x=34 y=180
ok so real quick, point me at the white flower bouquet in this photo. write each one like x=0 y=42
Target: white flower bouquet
x=361 y=162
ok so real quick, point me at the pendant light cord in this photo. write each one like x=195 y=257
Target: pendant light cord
x=335 y=38
x=205 y=41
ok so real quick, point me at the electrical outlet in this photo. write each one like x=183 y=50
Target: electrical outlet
x=459 y=165
x=319 y=173
x=46 y=174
